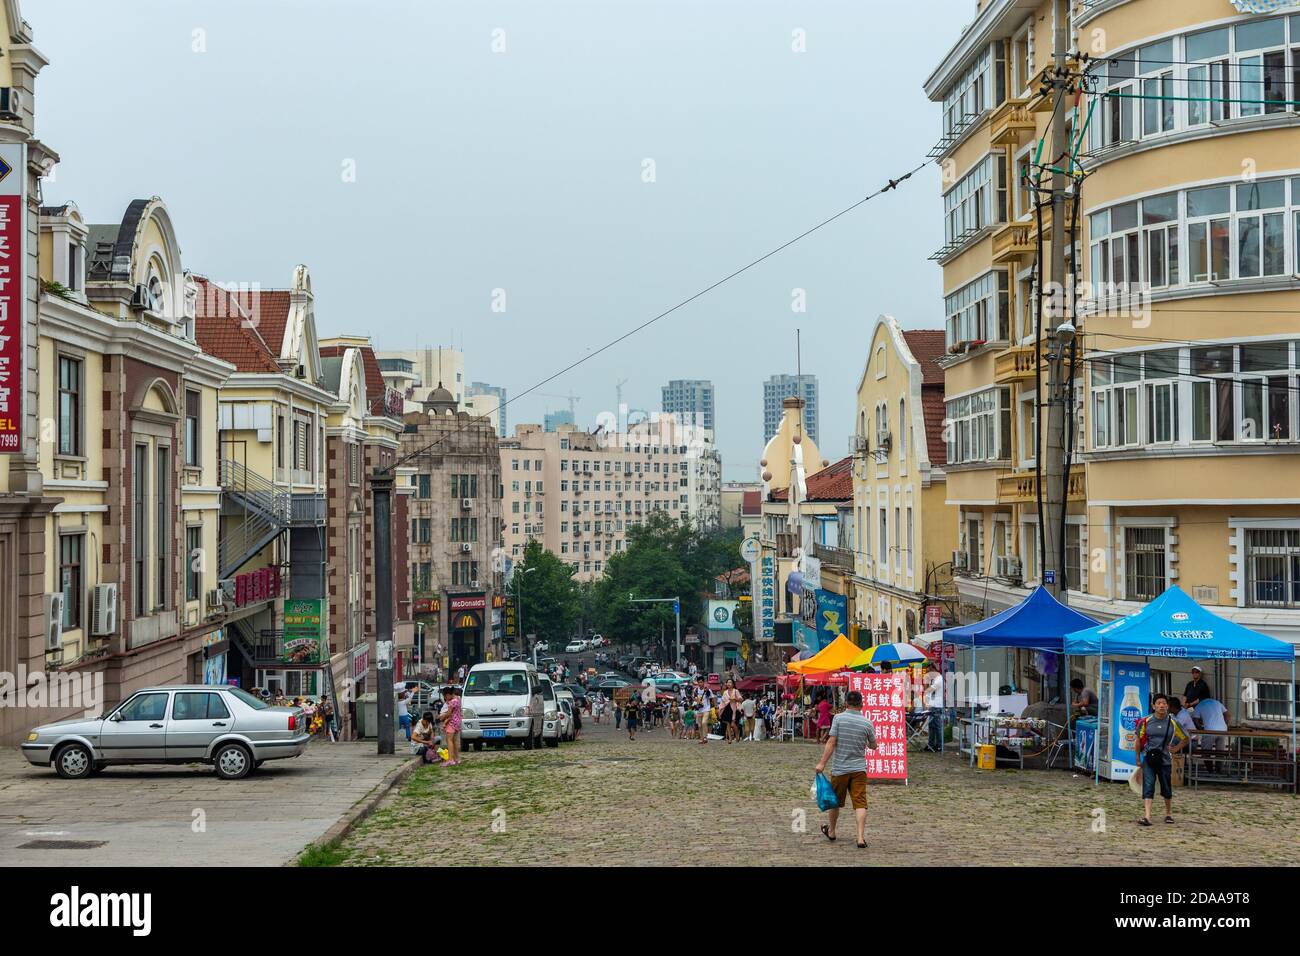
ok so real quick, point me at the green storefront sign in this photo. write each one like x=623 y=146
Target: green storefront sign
x=302 y=637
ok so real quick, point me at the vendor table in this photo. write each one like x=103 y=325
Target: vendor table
x=1015 y=734
x=1242 y=756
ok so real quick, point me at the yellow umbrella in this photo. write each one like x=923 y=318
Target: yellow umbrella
x=835 y=656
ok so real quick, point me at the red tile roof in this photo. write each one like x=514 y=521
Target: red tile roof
x=375 y=387
x=751 y=503
x=932 y=409
x=224 y=328
x=927 y=346
x=832 y=483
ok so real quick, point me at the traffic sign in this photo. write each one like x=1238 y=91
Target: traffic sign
x=749 y=549
x=677 y=607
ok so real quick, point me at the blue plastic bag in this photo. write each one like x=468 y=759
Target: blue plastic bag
x=826 y=799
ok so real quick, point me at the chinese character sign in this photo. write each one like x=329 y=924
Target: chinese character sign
x=13 y=205
x=883 y=705
x=767 y=597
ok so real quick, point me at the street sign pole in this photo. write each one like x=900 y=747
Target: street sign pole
x=382 y=485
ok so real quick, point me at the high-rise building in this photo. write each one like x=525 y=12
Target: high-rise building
x=417 y=372
x=554 y=420
x=490 y=400
x=690 y=401
x=780 y=387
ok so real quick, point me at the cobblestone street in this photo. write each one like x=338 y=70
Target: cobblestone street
x=659 y=801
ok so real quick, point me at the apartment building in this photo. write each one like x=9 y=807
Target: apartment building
x=904 y=531
x=417 y=372
x=490 y=400
x=690 y=401
x=455 y=531
x=702 y=481
x=579 y=492
x=734 y=496
x=780 y=387
x=272 y=550
x=1191 y=209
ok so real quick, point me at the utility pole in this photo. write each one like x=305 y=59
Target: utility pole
x=1052 y=312
x=381 y=482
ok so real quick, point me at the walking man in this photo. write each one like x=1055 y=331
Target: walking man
x=851 y=736
x=1158 y=737
x=934 y=704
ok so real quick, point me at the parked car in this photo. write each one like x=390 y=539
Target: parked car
x=226 y=727
x=625 y=661
x=599 y=641
x=564 y=697
x=502 y=703
x=553 y=727
x=579 y=694
x=575 y=647
x=611 y=683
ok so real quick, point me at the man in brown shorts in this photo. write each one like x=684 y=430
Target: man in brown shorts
x=851 y=736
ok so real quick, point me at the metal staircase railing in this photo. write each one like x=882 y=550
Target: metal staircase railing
x=265 y=509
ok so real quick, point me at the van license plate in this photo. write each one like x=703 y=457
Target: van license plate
x=493 y=734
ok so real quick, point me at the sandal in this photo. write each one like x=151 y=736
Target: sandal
x=862 y=846
x=826 y=832
x=1144 y=822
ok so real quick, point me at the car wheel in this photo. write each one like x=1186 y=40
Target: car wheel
x=553 y=741
x=529 y=742
x=232 y=761
x=73 y=762
x=257 y=764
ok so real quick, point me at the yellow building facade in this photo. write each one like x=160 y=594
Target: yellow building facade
x=904 y=531
x=1184 y=437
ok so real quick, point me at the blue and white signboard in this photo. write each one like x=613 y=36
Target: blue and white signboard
x=766 y=597
x=1130 y=688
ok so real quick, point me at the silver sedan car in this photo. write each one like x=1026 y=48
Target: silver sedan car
x=223 y=726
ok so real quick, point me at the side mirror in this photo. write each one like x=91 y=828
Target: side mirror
x=116 y=717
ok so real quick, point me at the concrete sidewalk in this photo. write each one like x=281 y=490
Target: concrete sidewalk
x=183 y=816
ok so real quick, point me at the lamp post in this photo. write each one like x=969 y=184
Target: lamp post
x=519 y=599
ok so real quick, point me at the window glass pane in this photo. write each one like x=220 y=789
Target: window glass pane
x=1128 y=368
x=1201 y=401
x=1123 y=216
x=1198 y=251
x=1209 y=43
x=1100 y=224
x=1212 y=200
x=1162 y=364
x=1248 y=246
x=1156 y=56
x=1252 y=409
x=1213 y=360
x=1122 y=69
x=1261 y=194
x=1257 y=34
x=1160 y=208
x=1265 y=357
x=1100 y=372
x=1220 y=248
x=1274 y=244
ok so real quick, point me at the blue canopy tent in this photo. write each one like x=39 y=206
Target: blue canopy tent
x=1039 y=622
x=1173 y=625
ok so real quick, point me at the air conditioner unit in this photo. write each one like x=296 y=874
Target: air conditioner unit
x=960 y=561
x=466 y=546
x=1007 y=566
x=475 y=585
x=53 y=622
x=103 y=610
x=11 y=103
x=216 y=600
x=466 y=503
x=141 y=299
x=860 y=444
x=1205 y=594
x=884 y=441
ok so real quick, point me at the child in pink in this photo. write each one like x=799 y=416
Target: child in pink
x=450 y=718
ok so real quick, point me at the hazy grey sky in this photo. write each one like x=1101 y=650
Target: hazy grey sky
x=522 y=170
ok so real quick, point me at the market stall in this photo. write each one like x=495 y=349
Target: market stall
x=1039 y=622
x=1175 y=626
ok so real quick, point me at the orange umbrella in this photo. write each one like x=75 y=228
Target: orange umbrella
x=835 y=656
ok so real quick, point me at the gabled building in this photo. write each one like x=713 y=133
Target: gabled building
x=904 y=530
x=133 y=452
x=272 y=545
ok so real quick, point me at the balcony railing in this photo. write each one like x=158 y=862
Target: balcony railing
x=1013 y=242
x=1016 y=364
x=308 y=509
x=1010 y=122
x=834 y=557
x=1022 y=488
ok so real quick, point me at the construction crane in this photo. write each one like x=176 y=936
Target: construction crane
x=572 y=399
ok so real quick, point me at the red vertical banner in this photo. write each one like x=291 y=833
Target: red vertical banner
x=883 y=705
x=13 y=183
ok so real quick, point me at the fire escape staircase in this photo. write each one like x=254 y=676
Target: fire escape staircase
x=265 y=511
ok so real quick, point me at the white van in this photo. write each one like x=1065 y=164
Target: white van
x=501 y=703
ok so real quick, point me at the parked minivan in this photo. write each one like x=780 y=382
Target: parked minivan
x=502 y=703
x=553 y=730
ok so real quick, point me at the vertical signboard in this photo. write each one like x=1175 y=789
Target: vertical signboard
x=302 y=634
x=1123 y=704
x=13 y=263
x=766 y=596
x=882 y=704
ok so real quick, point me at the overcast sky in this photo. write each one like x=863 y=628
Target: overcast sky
x=480 y=169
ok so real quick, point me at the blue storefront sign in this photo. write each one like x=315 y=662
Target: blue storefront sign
x=832 y=616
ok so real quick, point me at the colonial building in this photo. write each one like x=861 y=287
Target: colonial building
x=455 y=531
x=362 y=435
x=132 y=401
x=904 y=531
x=25 y=506
x=272 y=544
x=1186 y=367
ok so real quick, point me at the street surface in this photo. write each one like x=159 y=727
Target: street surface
x=658 y=801
x=148 y=815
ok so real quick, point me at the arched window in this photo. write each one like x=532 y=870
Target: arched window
x=902 y=429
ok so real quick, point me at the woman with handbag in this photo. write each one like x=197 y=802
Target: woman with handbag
x=1159 y=737
x=729 y=711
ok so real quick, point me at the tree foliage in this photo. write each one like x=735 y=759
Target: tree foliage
x=664 y=558
x=549 y=600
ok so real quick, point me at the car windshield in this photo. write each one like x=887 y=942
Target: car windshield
x=249 y=699
x=495 y=683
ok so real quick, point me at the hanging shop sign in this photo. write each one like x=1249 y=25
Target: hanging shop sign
x=302 y=631
x=883 y=705
x=13 y=273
